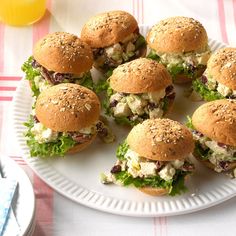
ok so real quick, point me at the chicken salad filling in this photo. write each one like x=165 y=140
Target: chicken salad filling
x=133 y=169
x=130 y=48
x=131 y=109
x=40 y=78
x=210 y=89
x=190 y=64
x=44 y=142
x=218 y=154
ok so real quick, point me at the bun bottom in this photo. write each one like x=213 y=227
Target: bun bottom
x=182 y=79
x=81 y=146
x=154 y=191
x=208 y=164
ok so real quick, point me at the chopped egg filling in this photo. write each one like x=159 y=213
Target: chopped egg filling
x=45 y=135
x=138 y=166
x=219 y=154
x=136 y=105
x=212 y=84
x=193 y=58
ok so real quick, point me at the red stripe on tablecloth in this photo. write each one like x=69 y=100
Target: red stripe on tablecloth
x=155 y=226
x=160 y=226
x=221 y=13
x=5 y=99
x=2 y=27
x=234 y=9
x=44 y=207
x=6 y=88
x=41 y=28
x=10 y=78
x=133 y=8
x=138 y=14
x=164 y=225
x=142 y=11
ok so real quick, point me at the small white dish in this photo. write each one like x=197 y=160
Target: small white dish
x=24 y=205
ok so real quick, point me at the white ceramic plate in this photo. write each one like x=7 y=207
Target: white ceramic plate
x=24 y=207
x=77 y=177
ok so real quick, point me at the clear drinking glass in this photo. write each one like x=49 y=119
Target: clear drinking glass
x=21 y=12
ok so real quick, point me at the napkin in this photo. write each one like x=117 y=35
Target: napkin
x=8 y=222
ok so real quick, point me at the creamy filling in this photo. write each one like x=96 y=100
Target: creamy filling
x=41 y=83
x=43 y=134
x=219 y=154
x=135 y=106
x=214 y=85
x=138 y=166
x=190 y=58
x=118 y=53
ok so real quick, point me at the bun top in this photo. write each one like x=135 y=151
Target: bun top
x=108 y=28
x=140 y=76
x=177 y=35
x=64 y=53
x=67 y=107
x=161 y=139
x=217 y=120
x=222 y=67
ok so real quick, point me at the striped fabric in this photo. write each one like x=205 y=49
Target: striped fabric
x=219 y=18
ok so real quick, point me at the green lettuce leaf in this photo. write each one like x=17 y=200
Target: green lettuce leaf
x=165 y=105
x=175 y=186
x=202 y=153
x=125 y=121
x=50 y=149
x=152 y=55
x=189 y=123
x=178 y=186
x=31 y=73
x=87 y=81
x=109 y=73
x=205 y=93
x=185 y=70
x=140 y=42
x=175 y=69
x=121 y=150
x=101 y=85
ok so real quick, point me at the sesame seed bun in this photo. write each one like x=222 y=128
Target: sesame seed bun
x=177 y=35
x=208 y=164
x=161 y=139
x=64 y=53
x=108 y=28
x=67 y=107
x=217 y=121
x=140 y=76
x=222 y=67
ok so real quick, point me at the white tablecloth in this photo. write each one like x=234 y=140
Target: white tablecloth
x=57 y=215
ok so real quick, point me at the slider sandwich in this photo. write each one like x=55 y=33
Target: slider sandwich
x=154 y=158
x=219 y=79
x=59 y=58
x=114 y=38
x=139 y=90
x=181 y=44
x=214 y=129
x=66 y=120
